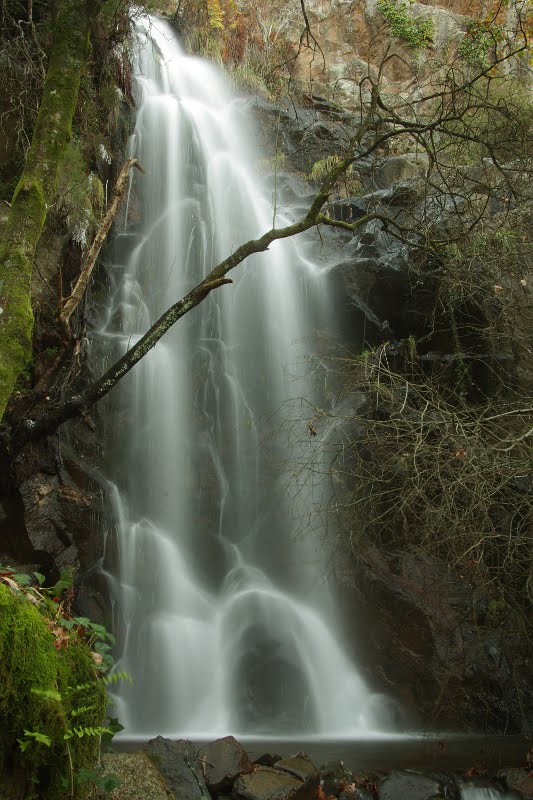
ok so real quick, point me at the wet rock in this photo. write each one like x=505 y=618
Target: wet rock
x=334 y=776
x=266 y=783
x=408 y=786
x=359 y=793
x=309 y=789
x=267 y=760
x=300 y=766
x=178 y=764
x=519 y=780
x=305 y=135
x=222 y=760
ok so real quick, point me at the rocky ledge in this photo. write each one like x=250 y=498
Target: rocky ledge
x=222 y=770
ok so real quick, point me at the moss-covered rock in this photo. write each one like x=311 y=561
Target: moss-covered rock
x=36 y=655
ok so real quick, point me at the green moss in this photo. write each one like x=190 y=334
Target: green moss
x=29 y=659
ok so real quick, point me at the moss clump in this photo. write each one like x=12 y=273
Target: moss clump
x=33 y=657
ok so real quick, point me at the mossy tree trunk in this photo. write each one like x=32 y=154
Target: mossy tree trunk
x=36 y=188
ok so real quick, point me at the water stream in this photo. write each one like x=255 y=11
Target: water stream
x=226 y=620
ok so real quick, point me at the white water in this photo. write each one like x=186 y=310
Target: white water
x=226 y=619
x=483 y=793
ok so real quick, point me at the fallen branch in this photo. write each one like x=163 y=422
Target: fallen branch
x=68 y=305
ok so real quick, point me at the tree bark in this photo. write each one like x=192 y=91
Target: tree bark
x=36 y=188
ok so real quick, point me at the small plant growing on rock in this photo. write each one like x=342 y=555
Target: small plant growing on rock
x=416 y=33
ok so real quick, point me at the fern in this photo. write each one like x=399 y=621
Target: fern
x=116 y=677
x=77 y=712
x=323 y=167
x=83 y=730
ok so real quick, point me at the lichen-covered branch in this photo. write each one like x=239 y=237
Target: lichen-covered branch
x=79 y=404
x=35 y=191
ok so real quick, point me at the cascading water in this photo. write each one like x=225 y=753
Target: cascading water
x=225 y=617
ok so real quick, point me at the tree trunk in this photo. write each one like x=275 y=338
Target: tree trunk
x=36 y=188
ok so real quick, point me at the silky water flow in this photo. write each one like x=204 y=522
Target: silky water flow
x=224 y=616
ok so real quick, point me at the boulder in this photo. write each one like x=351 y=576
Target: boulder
x=300 y=766
x=139 y=776
x=408 y=786
x=267 y=760
x=224 y=759
x=177 y=761
x=334 y=776
x=399 y=168
x=266 y=783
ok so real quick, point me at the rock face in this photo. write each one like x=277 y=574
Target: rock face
x=353 y=38
x=448 y=664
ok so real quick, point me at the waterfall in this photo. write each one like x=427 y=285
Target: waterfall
x=225 y=617
x=472 y=792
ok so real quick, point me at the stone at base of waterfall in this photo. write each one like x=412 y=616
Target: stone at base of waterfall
x=359 y=793
x=409 y=786
x=139 y=777
x=299 y=766
x=177 y=762
x=222 y=760
x=335 y=776
x=267 y=783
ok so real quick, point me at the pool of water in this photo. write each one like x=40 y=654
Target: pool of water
x=437 y=752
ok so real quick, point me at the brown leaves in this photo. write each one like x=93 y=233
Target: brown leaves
x=60 y=635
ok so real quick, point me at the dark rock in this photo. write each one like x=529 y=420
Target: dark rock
x=429 y=652
x=300 y=766
x=305 y=135
x=266 y=783
x=267 y=760
x=309 y=789
x=177 y=761
x=359 y=793
x=408 y=786
x=224 y=759
x=334 y=775
x=518 y=780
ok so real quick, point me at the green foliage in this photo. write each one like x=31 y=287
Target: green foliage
x=53 y=702
x=37 y=669
x=415 y=32
x=479 y=42
x=247 y=77
x=493 y=118
x=215 y=14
